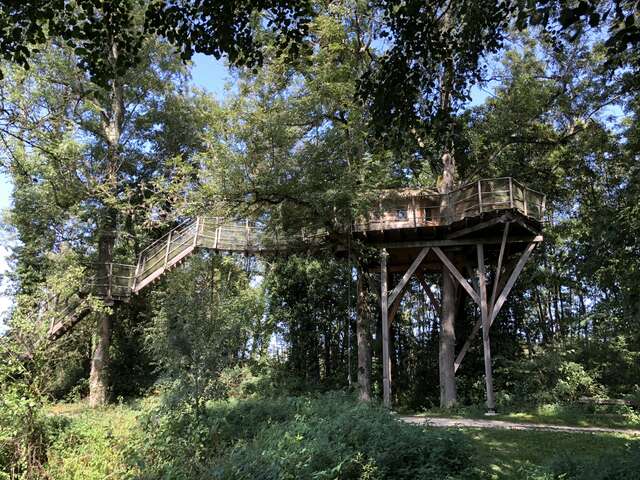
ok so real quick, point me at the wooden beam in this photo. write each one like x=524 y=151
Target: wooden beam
x=457 y=275
x=467 y=345
x=460 y=242
x=499 y=266
x=493 y=311
x=480 y=226
x=395 y=307
x=427 y=290
x=512 y=280
x=405 y=278
x=386 y=358
x=525 y=225
x=486 y=341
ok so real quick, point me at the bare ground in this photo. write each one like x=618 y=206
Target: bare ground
x=505 y=425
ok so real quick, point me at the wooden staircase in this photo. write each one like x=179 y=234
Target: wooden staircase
x=111 y=285
x=68 y=317
x=212 y=233
x=162 y=256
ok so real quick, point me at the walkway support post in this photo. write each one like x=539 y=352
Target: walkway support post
x=486 y=325
x=386 y=357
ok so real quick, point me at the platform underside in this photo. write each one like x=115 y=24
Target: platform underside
x=403 y=245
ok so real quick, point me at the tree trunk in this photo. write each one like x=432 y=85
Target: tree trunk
x=447 y=355
x=363 y=333
x=99 y=378
x=112 y=121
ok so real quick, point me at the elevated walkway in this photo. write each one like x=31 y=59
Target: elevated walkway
x=402 y=216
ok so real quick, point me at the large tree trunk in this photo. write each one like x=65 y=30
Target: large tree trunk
x=363 y=333
x=447 y=324
x=99 y=377
x=447 y=354
x=112 y=121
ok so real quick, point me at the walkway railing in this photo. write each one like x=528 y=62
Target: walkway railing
x=117 y=281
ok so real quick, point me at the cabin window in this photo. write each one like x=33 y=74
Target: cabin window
x=401 y=214
x=426 y=214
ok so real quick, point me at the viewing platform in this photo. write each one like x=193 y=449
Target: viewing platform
x=406 y=220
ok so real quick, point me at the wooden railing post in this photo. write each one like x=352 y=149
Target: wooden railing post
x=166 y=253
x=510 y=192
x=136 y=272
x=524 y=200
x=110 y=279
x=195 y=237
x=480 y=196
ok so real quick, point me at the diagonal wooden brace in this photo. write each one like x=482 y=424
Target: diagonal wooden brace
x=458 y=276
x=405 y=278
x=494 y=309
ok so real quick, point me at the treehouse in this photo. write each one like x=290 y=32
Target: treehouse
x=481 y=234
x=483 y=231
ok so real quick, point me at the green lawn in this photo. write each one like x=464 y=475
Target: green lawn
x=509 y=454
x=576 y=416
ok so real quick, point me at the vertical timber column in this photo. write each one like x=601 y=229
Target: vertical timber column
x=386 y=358
x=486 y=325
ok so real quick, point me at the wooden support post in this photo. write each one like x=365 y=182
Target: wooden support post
x=456 y=274
x=486 y=324
x=386 y=358
x=494 y=308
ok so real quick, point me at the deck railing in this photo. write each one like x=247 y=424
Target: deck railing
x=469 y=200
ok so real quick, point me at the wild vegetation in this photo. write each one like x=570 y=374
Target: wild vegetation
x=270 y=367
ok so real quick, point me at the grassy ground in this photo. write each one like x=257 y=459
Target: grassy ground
x=96 y=444
x=506 y=454
x=576 y=416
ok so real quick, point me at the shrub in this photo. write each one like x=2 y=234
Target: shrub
x=548 y=376
x=94 y=445
x=323 y=437
x=608 y=467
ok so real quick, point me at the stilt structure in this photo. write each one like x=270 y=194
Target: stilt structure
x=491 y=224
